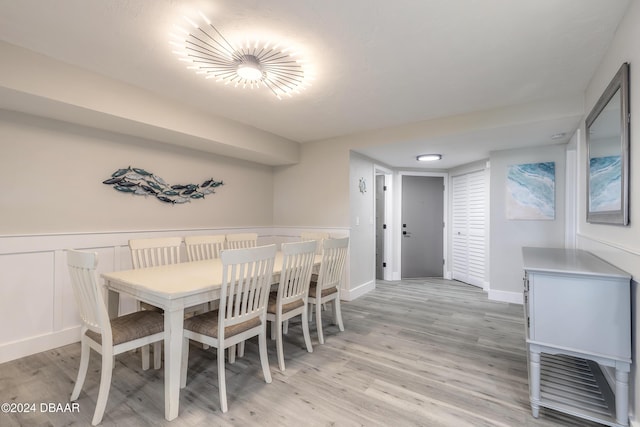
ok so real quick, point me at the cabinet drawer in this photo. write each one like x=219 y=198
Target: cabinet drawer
x=585 y=314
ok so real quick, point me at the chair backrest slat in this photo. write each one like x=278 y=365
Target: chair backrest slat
x=241 y=240
x=334 y=255
x=297 y=266
x=155 y=252
x=204 y=247
x=246 y=281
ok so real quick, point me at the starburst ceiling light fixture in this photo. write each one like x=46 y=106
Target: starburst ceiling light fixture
x=252 y=65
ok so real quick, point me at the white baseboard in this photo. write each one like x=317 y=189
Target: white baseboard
x=17 y=349
x=358 y=291
x=34 y=267
x=505 y=296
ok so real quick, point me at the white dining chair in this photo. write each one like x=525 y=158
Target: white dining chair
x=204 y=247
x=246 y=281
x=318 y=236
x=327 y=287
x=108 y=337
x=154 y=252
x=290 y=300
x=201 y=248
x=241 y=240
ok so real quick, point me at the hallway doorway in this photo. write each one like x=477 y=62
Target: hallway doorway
x=422 y=241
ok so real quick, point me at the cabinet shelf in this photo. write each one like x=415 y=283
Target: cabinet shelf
x=577 y=319
x=577 y=387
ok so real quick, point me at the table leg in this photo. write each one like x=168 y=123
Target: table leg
x=534 y=372
x=173 y=323
x=113 y=304
x=622 y=397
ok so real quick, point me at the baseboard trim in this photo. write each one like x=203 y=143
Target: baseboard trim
x=358 y=291
x=32 y=345
x=505 y=296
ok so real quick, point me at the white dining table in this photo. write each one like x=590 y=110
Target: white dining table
x=173 y=288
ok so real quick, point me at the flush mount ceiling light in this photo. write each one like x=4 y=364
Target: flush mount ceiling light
x=428 y=157
x=252 y=65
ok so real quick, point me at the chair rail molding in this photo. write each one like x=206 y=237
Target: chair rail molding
x=35 y=276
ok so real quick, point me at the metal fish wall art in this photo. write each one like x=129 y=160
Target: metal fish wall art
x=139 y=182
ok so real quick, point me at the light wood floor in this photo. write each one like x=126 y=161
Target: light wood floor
x=414 y=353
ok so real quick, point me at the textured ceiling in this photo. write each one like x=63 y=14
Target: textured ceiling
x=378 y=63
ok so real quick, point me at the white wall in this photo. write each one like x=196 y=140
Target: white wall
x=362 y=217
x=315 y=191
x=54 y=199
x=507 y=237
x=52 y=175
x=36 y=84
x=618 y=245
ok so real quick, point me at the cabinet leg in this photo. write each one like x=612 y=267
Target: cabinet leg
x=622 y=397
x=534 y=386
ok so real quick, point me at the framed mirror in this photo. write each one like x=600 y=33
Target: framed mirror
x=607 y=129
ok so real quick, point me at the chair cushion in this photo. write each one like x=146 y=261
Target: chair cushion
x=207 y=324
x=273 y=304
x=132 y=326
x=325 y=292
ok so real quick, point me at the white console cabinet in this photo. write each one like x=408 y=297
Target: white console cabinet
x=578 y=320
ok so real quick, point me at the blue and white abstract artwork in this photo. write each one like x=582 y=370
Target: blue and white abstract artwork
x=531 y=191
x=605 y=184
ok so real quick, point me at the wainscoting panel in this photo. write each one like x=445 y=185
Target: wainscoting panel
x=26 y=305
x=627 y=259
x=37 y=306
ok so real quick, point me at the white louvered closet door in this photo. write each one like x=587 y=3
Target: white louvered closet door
x=469 y=228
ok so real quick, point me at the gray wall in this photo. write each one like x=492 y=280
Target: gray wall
x=507 y=237
x=618 y=245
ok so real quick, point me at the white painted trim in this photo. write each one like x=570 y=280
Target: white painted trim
x=62 y=332
x=571 y=195
x=294 y=232
x=613 y=245
x=505 y=296
x=17 y=349
x=627 y=259
x=358 y=291
x=17 y=244
x=388 y=214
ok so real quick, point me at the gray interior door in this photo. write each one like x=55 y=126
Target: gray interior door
x=422 y=226
x=380 y=224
